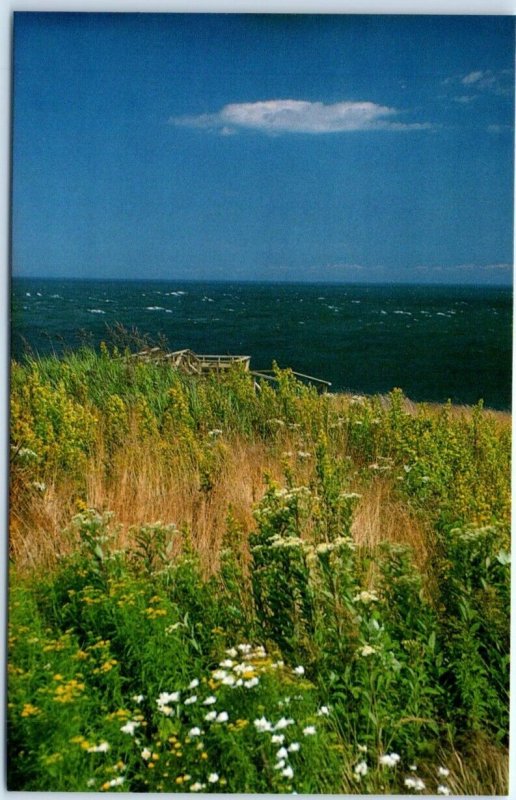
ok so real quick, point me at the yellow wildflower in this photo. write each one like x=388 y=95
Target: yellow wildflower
x=30 y=711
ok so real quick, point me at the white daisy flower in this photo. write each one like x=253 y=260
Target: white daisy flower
x=130 y=727
x=168 y=697
x=262 y=725
x=389 y=760
x=209 y=701
x=283 y=723
x=414 y=783
x=103 y=747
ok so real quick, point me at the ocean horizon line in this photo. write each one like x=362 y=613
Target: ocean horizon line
x=264 y=282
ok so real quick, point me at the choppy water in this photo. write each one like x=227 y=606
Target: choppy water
x=434 y=342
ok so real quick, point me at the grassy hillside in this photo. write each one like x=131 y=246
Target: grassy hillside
x=328 y=577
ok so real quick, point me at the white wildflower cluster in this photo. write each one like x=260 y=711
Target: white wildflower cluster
x=360 y=769
x=350 y=496
x=164 y=700
x=415 y=783
x=389 y=760
x=130 y=727
x=116 y=781
x=443 y=772
x=25 y=453
x=328 y=547
x=367 y=650
x=285 y=541
x=103 y=747
x=263 y=725
x=366 y=597
x=283 y=497
x=190 y=700
x=241 y=673
x=215 y=433
x=472 y=534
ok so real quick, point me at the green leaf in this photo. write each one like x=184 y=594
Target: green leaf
x=98 y=552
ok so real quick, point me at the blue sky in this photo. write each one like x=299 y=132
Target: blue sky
x=276 y=147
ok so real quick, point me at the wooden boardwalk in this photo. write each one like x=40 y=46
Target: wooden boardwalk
x=192 y=363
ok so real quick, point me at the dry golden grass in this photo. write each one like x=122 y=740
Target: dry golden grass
x=142 y=487
x=382 y=517
x=481 y=769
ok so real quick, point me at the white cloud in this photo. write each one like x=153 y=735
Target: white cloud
x=500 y=82
x=299 y=116
x=473 y=77
x=465 y=98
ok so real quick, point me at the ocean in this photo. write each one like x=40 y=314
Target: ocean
x=434 y=342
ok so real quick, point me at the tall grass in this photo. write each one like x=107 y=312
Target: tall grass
x=363 y=540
